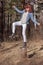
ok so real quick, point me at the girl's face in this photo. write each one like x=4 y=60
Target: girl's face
x=26 y=9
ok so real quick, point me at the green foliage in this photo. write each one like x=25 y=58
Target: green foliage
x=8 y=7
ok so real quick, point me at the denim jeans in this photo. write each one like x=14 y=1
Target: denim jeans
x=18 y=23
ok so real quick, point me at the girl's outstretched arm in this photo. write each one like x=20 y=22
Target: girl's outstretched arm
x=18 y=10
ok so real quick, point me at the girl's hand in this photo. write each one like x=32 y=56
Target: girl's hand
x=38 y=24
x=13 y=6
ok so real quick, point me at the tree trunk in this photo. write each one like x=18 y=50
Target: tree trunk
x=1 y=20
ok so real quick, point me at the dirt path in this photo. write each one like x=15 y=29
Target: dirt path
x=11 y=53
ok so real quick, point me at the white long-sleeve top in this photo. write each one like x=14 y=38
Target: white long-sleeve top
x=24 y=17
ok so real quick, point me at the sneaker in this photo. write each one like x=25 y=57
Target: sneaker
x=11 y=36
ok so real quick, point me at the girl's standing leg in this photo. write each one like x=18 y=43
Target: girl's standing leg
x=24 y=48
x=24 y=34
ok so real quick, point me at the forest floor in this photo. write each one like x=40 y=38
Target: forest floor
x=10 y=54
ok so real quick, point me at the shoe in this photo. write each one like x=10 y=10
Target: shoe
x=11 y=36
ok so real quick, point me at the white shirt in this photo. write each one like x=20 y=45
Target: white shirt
x=24 y=17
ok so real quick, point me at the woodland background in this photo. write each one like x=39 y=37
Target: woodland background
x=10 y=49
x=9 y=15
